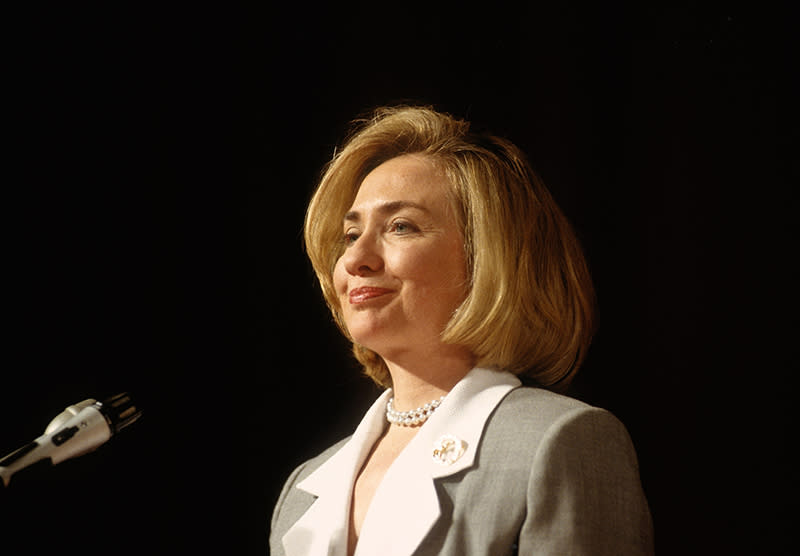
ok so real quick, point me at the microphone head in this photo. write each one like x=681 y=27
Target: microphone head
x=119 y=411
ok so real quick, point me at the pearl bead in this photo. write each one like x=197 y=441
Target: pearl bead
x=412 y=417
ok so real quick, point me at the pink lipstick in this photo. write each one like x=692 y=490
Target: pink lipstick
x=363 y=294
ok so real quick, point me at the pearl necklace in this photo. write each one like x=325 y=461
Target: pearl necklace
x=413 y=417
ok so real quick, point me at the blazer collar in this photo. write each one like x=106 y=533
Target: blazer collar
x=407 y=489
x=323 y=529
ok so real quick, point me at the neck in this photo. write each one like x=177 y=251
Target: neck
x=417 y=383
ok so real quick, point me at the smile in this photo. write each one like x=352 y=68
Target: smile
x=362 y=295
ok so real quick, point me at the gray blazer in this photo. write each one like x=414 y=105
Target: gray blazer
x=546 y=475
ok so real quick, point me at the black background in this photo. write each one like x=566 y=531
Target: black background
x=157 y=164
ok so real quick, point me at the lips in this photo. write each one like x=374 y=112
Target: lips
x=364 y=294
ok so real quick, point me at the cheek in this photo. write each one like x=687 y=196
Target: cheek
x=439 y=271
x=339 y=278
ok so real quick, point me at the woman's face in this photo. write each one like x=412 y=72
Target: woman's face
x=403 y=272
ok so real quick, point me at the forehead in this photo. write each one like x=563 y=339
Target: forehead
x=414 y=178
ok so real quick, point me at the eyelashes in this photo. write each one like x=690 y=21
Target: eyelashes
x=402 y=227
x=398 y=227
x=349 y=238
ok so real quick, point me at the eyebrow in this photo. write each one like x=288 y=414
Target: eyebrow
x=385 y=208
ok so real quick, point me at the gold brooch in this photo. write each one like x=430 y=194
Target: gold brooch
x=448 y=449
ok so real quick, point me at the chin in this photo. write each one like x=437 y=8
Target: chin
x=374 y=337
x=368 y=340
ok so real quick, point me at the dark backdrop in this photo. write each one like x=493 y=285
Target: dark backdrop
x=157 y=163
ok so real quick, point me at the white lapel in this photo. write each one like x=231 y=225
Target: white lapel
x=323 y=529
x=405 y=505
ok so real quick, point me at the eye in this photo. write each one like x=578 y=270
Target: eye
x=402 y=227
x=349 y=238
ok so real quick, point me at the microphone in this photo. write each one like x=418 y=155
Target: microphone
x=79 y=429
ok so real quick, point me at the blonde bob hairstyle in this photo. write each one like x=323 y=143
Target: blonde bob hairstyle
x=530 y=305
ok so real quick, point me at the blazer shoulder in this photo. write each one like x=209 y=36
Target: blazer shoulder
x=537 y=407
x=527 y=416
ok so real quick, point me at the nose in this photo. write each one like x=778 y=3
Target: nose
x=363 y=257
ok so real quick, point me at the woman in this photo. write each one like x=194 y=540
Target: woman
x=447 y=263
